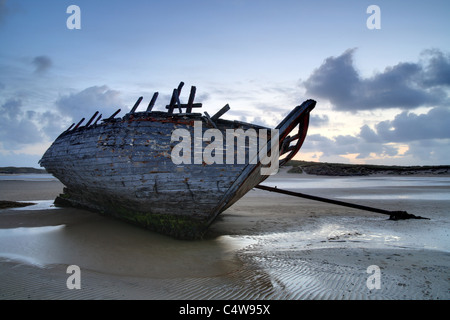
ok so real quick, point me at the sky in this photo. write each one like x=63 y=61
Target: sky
x=383 y=94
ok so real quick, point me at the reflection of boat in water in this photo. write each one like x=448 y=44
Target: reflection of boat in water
x=123 y=166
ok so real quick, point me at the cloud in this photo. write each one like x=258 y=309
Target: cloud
x=429 y=151
x=52 y=123
x=25 y=130
x=17 y=126
x=405 y=85
x=86 y=102
x=408 y=126
x=11 y=109
x=409 y=136
x=42 y=64
x=339 y=148
x=437 y=68
x=420 y=138
x=319 y=120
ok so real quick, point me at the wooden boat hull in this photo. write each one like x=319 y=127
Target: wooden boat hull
x=123 y=168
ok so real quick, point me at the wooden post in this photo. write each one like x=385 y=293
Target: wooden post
x=220 y=113
x=179 y=104
x=79 y=123
x=180 y=86
x=152 y=102
x=92 y=119
x=114 y=114
x=98 y=119
x=209 y=120
x=177 y=99
x=191 y=100
x=136 y=104
x=172 y=101
x=70 y=127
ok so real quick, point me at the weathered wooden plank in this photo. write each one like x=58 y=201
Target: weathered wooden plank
x=136 y=105
x=220 y=113
x=152 y=102
x=190 y=103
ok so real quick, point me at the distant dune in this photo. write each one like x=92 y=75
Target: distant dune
x=340 y=169
x=17 y=170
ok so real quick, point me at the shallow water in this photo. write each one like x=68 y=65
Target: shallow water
x=37 y=205
x=396 y=193
x=306 y=182
x=28 y=177
x=385 y=187
x=106 y=245
x=320 y=258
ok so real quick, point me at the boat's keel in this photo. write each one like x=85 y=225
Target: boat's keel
x=182 y=227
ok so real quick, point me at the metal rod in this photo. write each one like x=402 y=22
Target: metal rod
x=394 y=215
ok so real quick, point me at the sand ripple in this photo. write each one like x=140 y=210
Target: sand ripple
x=315 y=274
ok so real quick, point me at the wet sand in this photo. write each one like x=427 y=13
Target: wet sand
x=266 y=246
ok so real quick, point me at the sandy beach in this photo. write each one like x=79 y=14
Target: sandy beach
x=266 y=246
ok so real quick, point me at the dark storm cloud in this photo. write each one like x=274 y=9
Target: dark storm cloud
x=42 y=64
x=405 y=85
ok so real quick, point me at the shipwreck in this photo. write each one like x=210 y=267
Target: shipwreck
x=125 y=166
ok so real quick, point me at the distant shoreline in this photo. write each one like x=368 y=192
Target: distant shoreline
x=315 y=168
x=21 y=170
x=340 y=169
